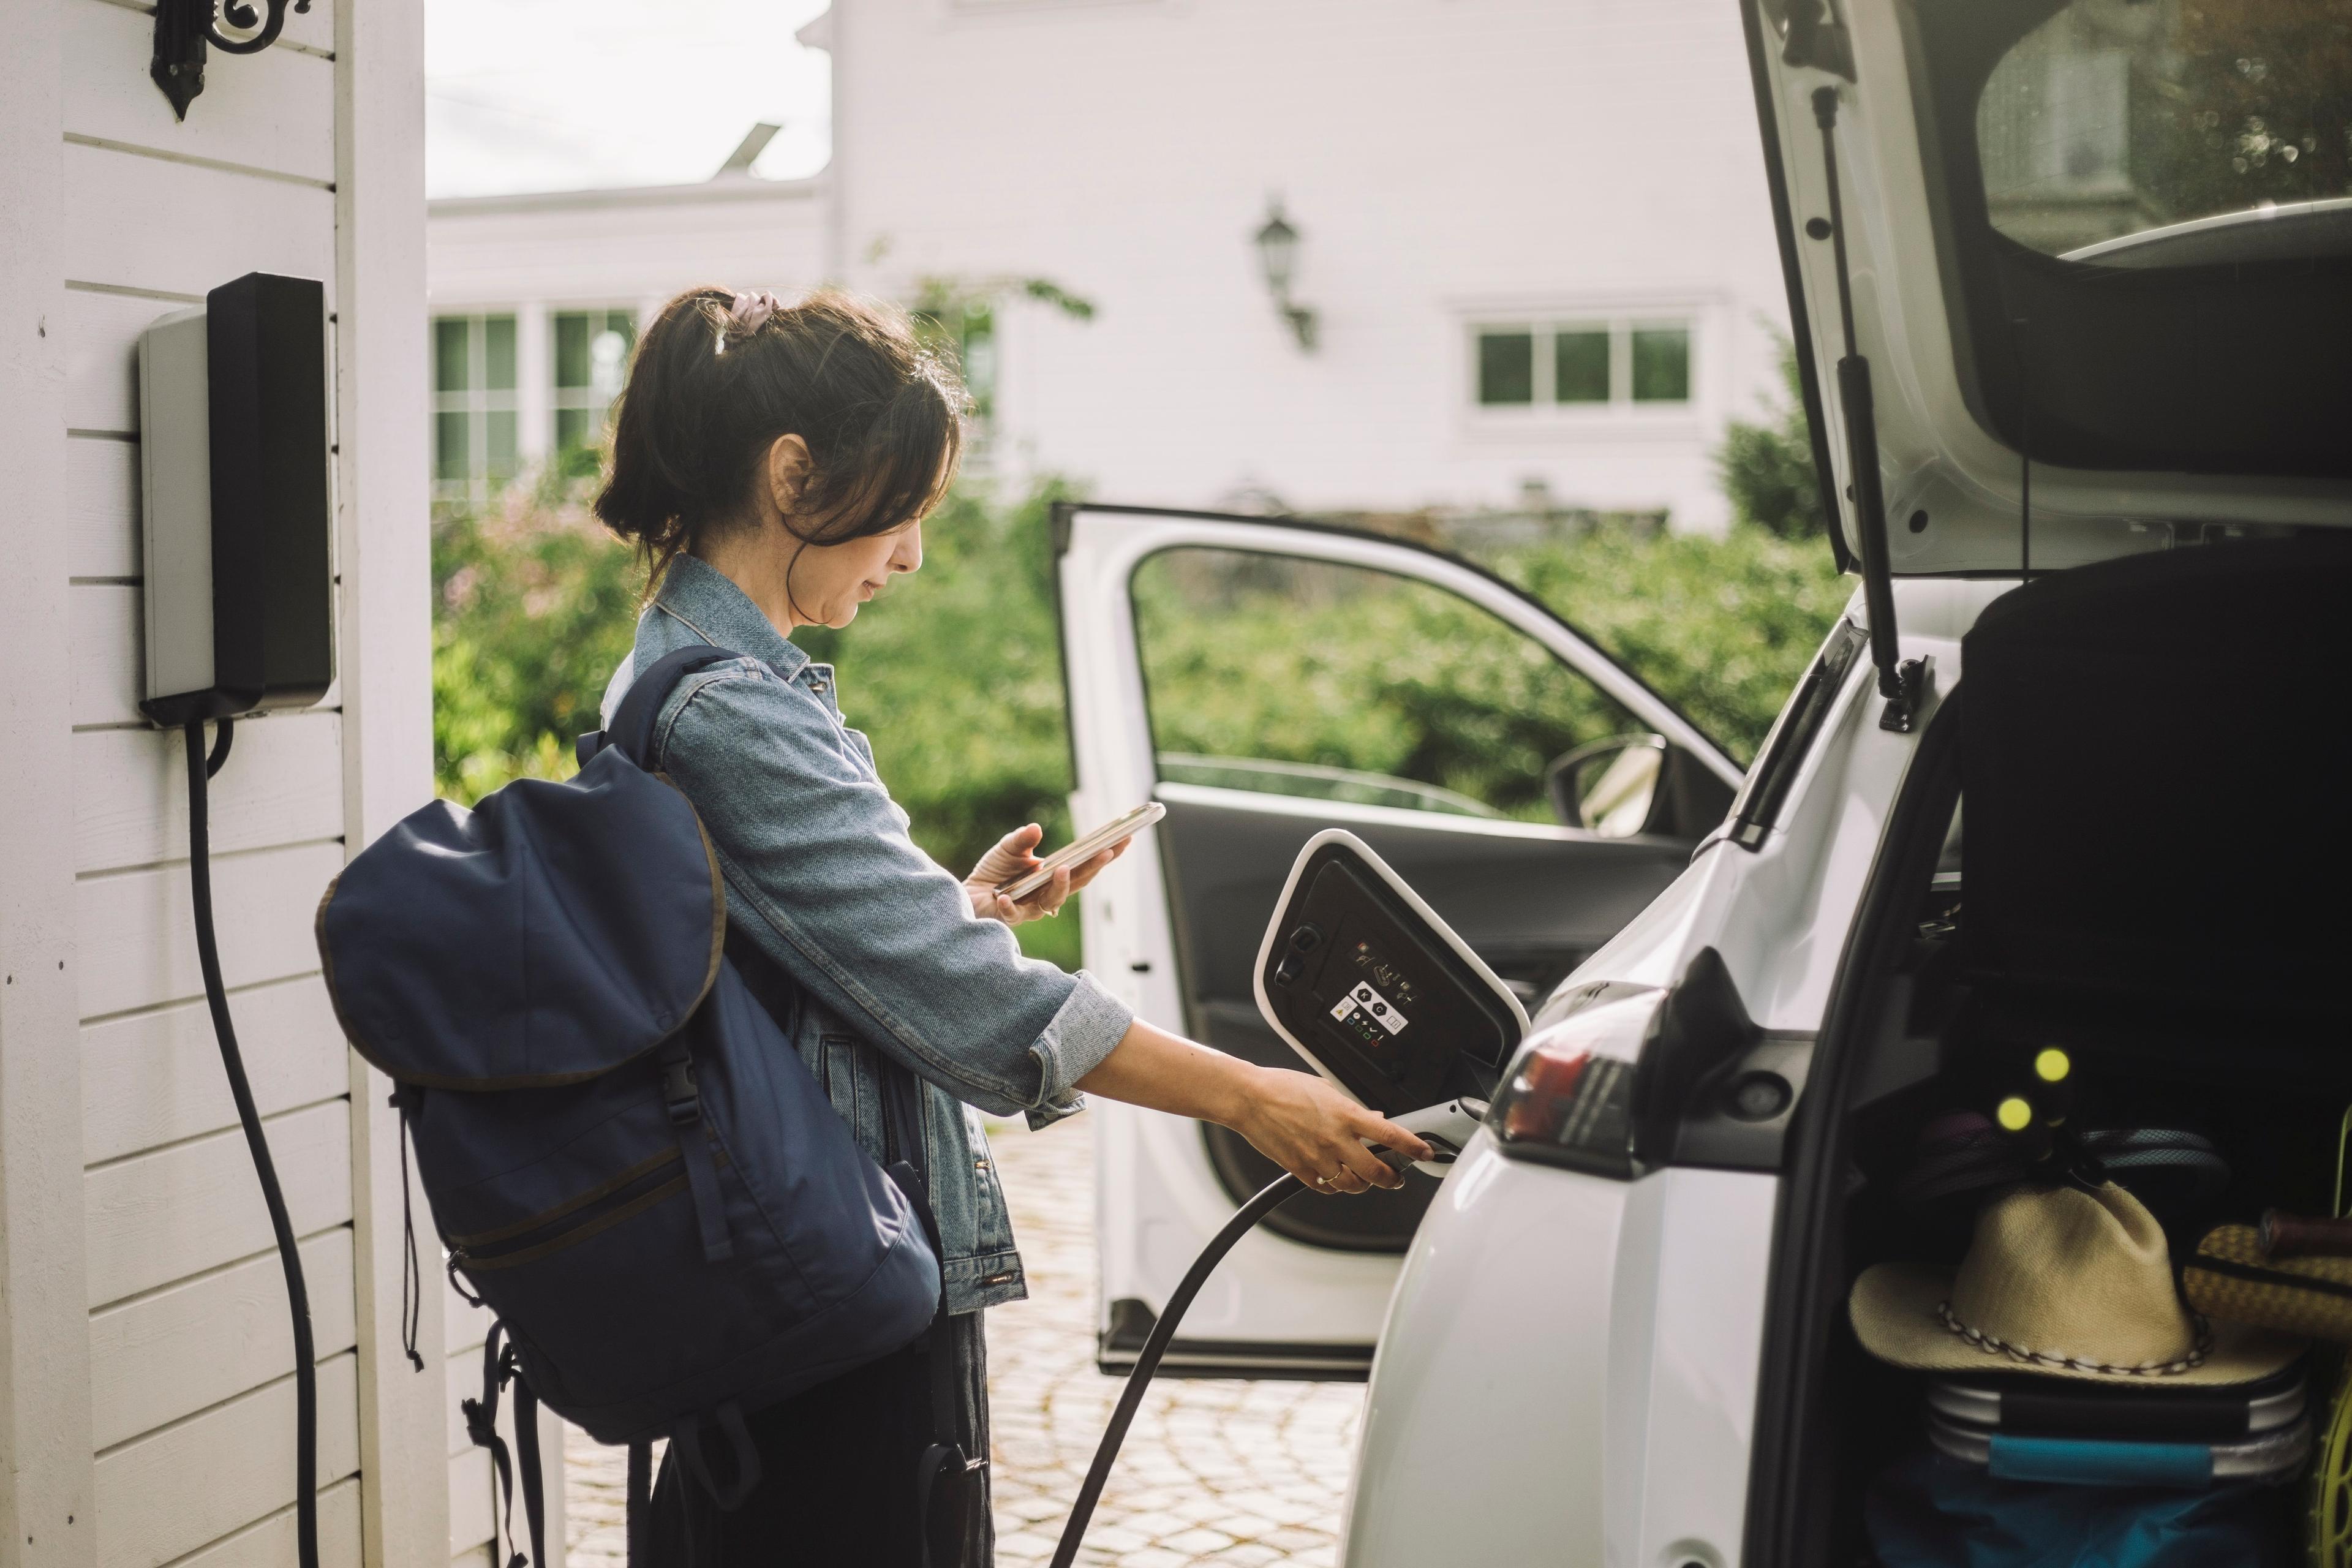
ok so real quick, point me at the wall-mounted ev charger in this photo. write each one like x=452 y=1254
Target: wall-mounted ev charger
x=236 y=524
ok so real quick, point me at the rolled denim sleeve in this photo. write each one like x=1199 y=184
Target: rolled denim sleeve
x=821 y=873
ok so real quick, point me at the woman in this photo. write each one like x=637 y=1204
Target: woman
x=774 y=463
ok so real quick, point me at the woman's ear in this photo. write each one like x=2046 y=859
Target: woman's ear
x=788 y=470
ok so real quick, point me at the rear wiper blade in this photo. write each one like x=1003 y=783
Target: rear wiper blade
x=1903 y=682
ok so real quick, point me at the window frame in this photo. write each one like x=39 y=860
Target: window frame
x=475 y=402
x=1546 y=329
x=563 y=399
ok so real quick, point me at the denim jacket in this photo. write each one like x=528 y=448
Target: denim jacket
x=822 y=875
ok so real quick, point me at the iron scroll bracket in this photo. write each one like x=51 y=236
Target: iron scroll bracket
x=185 y=29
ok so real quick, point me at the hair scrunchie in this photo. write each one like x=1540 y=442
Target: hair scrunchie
x=747 y=313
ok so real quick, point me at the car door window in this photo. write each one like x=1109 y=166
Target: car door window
x=1343 y=683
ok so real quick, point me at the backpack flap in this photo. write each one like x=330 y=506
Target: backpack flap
x=545 y=937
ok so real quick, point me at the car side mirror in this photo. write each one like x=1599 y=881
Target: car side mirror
x=1609 y=787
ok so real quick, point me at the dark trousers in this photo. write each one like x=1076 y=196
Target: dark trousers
x=836 y=1473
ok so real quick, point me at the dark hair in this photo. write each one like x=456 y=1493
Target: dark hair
x=708 y=396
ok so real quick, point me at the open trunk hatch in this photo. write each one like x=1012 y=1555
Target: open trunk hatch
x=2110 y=236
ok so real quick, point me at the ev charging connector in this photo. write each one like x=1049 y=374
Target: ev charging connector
x=1382 y=998
x=236 y=526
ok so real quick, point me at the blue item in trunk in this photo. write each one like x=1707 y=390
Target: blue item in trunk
x=1929 y=1511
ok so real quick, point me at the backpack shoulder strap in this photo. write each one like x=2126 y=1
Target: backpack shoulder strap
x=632 y=729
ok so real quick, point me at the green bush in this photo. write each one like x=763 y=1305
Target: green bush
x=534 y=604
x=1246 y=655
x=1767 y=470
x=955 y=672
x=1721 y=627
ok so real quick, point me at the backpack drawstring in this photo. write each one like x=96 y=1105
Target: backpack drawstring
x=412 y=1271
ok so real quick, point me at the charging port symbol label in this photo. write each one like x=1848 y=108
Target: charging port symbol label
x=1372 y=1004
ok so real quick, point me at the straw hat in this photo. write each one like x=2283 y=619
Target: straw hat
x=2062 y=1282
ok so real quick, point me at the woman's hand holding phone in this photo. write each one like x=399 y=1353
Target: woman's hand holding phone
x=1015 y=858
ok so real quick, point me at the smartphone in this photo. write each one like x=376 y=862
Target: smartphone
x=1085 y=849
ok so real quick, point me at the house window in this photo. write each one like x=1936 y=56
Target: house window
x=592 y=360
x=1581 y=363
x=474 y=446
x=1661 y=363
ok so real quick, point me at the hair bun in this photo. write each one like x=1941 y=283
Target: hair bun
x=880 y=416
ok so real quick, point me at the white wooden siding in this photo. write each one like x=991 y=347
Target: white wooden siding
x=138 y=929
x=172 y=1352
x=131 y=804
x=45 y=1370
x=166 y=1494
x=151 y=224
x=172 y=1212
x=185 y=1429
x=273 y=111
x=154 y=1078
x=102 y=508
x=269 y=1543
x=100 y=330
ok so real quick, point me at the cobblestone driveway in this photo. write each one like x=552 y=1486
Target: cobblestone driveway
x=1214 y=1472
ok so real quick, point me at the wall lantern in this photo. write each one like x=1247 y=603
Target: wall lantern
x=182 y=28
x=1278 y=255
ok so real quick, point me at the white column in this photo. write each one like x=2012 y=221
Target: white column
x=534 y=382
x=45 y=1392
x=386 y=625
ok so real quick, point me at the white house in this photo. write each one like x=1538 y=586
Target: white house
x=146 y=1387
x=1533 y=239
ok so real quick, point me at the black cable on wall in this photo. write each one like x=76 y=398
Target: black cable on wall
x=289 y=1256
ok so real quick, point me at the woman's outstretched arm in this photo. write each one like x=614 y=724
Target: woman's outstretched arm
x=1294 y=1119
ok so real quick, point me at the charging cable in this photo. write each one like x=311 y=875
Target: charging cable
x=298 y=1297
x=1155 y=1345
x=1279 y=1191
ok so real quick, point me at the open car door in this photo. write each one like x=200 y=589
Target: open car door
x=1266 y=679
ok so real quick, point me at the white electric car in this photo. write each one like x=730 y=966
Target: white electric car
x=2070 y=284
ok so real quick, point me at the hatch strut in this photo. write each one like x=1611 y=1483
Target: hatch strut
x=1903 y=682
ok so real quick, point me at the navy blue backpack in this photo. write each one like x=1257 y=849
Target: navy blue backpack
x=626 y=1158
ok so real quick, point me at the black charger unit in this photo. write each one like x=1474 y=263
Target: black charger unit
x=238 y=523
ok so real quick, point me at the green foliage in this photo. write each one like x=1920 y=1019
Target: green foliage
x=1721 y=627
x=1246 y=655
x=1767 y=470
x=534 y=604
x=955 y=672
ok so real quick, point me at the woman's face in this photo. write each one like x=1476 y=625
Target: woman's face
x=829 y=582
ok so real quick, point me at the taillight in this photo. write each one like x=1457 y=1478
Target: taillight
x=1568 y=1099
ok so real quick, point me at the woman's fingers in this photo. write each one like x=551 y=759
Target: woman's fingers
x=1389 y=1135
x=1083 y=874
x=1344 y=1179
x=1013 y=856
x=1047 y=900
x=1368 y=1167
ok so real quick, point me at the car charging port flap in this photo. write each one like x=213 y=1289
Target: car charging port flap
x=1380 y=995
